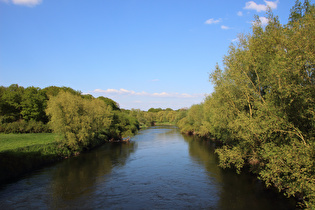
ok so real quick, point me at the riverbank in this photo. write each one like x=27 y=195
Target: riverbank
x=249 y=169
x=23 y=153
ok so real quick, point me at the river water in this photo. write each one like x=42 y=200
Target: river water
x=159 y=169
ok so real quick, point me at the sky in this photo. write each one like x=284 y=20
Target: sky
x=140 y=53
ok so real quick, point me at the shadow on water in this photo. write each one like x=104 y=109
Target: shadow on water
x=159 y=169
x=238 y=191
x=80 y=175
x=66 y=182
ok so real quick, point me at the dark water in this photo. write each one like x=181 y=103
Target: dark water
x=159 y=169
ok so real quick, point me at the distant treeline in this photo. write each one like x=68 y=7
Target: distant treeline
x=156 y=116
x=81 y=119
x=263 y=105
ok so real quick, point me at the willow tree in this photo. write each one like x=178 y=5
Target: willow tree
x=263 y=107
x=191 y=123
x=78 y=120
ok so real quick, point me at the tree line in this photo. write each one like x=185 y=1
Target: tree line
x=82 y=120
x=157 y=116
x=262 y=109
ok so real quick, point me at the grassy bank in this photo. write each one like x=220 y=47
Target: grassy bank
x=22 y=153
x=15 y=141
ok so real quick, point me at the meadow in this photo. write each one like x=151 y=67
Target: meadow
x=15 y=141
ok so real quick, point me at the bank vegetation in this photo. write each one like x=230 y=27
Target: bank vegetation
x=263 y=106
x=80 y=122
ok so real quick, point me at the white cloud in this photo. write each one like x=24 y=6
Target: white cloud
x=251 y=5
x=143 y=93
x=240 y=13
x=235 y=40
x=264 y=21
x=29 y=3
x=212 y=21
x=271 y=4
x=225 y=27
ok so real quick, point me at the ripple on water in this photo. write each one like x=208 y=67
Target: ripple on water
x=159 y=169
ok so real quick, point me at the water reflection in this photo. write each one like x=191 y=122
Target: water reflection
x=203 y=153
x=241 y=191
x=159 y=169
x=68 y=184
x=78 y=176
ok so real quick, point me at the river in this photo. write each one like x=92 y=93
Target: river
x=159 y=169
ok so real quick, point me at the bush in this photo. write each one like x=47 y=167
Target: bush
x=23 y=126
x=78 y=120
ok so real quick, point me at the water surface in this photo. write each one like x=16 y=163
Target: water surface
x=159 y=169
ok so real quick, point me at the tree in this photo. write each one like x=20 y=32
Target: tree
x=263 y=105
x=299 y=10
x=33 y=105
x=155 y=109
x=122 y=126
x=110 y=102
x=54 y=90
x=10 y=106
x=191 y=123
x=79 y=120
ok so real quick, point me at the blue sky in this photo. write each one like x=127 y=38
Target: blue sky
x=140 y=53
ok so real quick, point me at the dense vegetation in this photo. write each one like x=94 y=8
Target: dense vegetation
x=263 y=106
x=22 y=153
x=81 y=120
x=157 y=116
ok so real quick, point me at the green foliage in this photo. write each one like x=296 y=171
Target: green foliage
x=10 y=103
x=191 y=123
x=34 y=104
x=123 y=125
x=23 y=126
x=290 y=168
x=231 y=157
x=299 y=10
x=79 y=120
x=263 y=106
x=155 y=110
x=157 y=116
x=29 y=104
x=113 y=104
x=54 y=91
x=82 y=119
x=139 y=115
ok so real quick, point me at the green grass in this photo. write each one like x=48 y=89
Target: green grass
x=14 y=141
